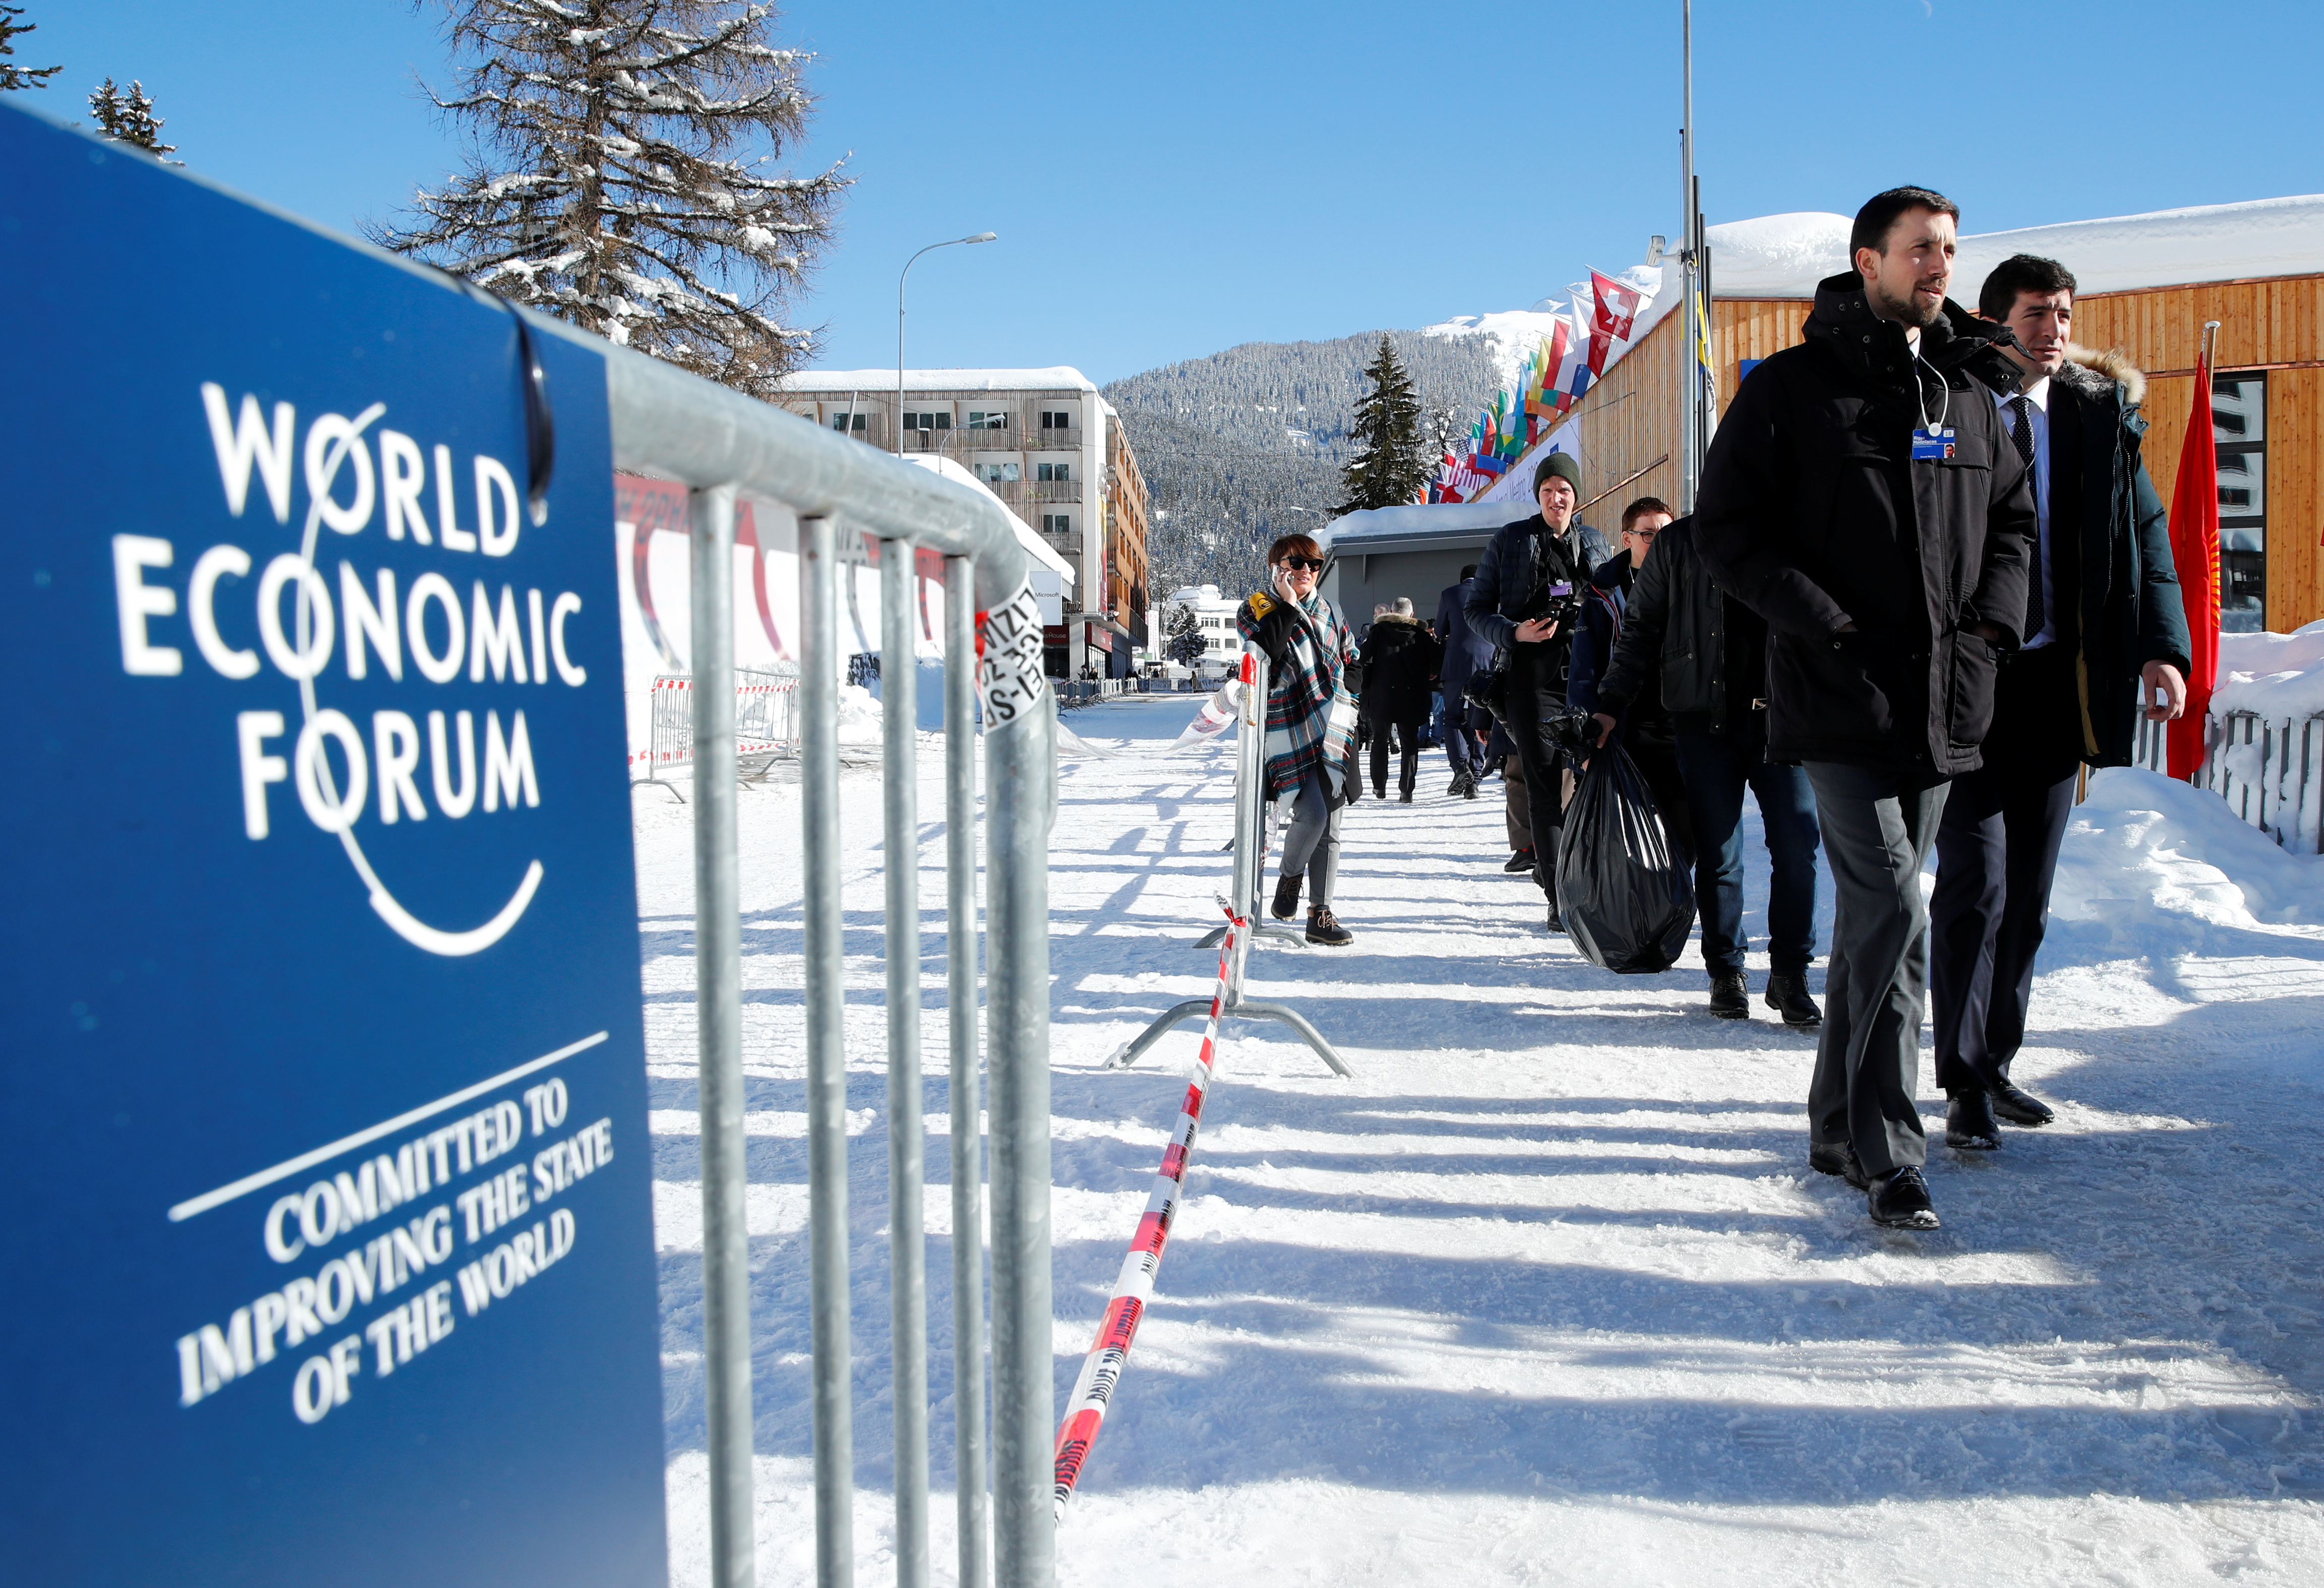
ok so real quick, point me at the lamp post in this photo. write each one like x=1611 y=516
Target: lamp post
x=915 y=259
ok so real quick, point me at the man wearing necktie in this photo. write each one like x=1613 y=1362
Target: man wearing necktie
x=2106 y=637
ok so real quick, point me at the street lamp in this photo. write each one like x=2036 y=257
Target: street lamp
x=947 y=243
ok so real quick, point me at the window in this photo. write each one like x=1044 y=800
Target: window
x=941 y=420
x=2240 y=428
x=843 y=420
x=1057 y=419
x=1057 y=523
x=987 y=420
x=1053 y=471
x=995 y=474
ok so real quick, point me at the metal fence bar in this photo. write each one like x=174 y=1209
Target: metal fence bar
x=1017 y=1004
x=827 y=1055
x=718 y=981
x=973 y=1513
x=907 y=1284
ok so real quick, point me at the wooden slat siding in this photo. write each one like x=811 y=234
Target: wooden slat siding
x=2276 y=320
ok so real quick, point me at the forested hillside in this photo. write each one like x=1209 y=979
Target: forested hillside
x=1247 y=444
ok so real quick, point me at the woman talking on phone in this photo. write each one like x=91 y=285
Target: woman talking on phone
x=1311 y=722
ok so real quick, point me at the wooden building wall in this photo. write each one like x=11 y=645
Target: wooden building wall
x=1632 y=417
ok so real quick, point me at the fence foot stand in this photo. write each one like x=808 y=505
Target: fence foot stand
x=1291 y=935
x=657 y=782
x=1192 y=1008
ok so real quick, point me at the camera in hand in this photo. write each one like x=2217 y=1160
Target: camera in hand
x=1561 y=604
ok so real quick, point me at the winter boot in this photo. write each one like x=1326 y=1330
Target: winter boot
x=1323 y=927
x=1969 y=1121
x=1286 y=895
x=1459 y=786
x=1788 y=996
x=1522 y=860
x=1900 y=1200
x=1730 y=995
x=1469 y=790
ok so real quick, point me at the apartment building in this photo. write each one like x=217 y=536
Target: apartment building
x=1051 y=449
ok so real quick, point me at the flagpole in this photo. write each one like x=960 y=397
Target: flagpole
x=1689 y=451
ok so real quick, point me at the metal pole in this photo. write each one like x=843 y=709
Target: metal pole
x=974 y=1511
x=908 y=1283
x=900 y=279
x=827 y=1055
x=718 y=1034
x=1691 y=465
x=1020 y=802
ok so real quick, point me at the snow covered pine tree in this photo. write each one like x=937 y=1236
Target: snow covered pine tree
x=129 y=118
x=614 y=177
x=1186 y=645
x=12 y=76
x=1389 y=466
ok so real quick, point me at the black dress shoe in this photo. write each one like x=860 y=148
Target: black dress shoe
x=1522 y=860
x=1730 y=995
x=1968 y=1123
x=1900 y=1200
x=1836 y=1158
x=1286 y=895
x=1788 y=996
x=1468 y=788
x=2018 y=1107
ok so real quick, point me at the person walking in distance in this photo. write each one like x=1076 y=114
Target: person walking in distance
x=2106 y=636
x=1399 y=659
x=1707 y=652
x=1525 y=595
x=1311 y=722
x=1465 y=651
x=1863 y=496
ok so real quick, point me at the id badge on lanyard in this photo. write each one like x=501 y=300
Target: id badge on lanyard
x=1934 y=444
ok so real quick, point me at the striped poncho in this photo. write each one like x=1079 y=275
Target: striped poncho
x=1310 y=717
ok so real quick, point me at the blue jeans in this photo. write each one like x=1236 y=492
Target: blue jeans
x=1461 y=727
x=1717 y=768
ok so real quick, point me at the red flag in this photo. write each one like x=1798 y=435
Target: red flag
x=1617 y=306
x=2195 y=548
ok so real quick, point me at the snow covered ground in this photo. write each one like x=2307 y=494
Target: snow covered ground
x=1546 y=1294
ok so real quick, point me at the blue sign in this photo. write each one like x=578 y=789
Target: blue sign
x=328 y=1254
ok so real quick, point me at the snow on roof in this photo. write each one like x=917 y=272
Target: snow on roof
x=1036 y=547
x=1062 y=377
x=1348 y=532
x=1785 y=255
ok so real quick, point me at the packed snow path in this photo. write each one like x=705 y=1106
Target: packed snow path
x=1547 y=1294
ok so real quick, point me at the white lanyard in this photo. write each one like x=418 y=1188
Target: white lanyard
x=1920 y=403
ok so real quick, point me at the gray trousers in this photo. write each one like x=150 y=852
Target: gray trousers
x=1310 y=843
x=1877 y=829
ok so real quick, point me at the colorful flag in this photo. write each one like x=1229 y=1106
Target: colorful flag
x=1615 y=308
x=2195 y=548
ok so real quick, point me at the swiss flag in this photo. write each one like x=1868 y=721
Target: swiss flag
x=1616 y=307
x=2195 y=548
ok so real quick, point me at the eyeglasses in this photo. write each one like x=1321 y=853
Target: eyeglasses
x=1643 y=534
x=1299 y=562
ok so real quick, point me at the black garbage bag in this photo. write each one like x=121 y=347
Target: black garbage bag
x=1627 y=891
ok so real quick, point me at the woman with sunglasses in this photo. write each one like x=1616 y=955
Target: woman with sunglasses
x=1311 y=724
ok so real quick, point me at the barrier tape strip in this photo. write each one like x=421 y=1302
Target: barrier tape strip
x=1102 y=1371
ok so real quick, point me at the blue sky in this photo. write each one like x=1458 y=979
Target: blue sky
x=1170 y=179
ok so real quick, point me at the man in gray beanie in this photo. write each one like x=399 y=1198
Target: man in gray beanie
x=1530 y=579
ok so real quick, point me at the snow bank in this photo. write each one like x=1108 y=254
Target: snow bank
x=2274 y=675
x=2154 y=866
x=1777 y=255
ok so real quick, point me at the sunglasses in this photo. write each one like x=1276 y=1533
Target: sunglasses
x=1299 y=562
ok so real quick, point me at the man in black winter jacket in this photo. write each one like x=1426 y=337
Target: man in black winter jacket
x=1863 y=497
x=1399 y=659
x=1706 y=652
x=1525 y=597
x=2105 y=635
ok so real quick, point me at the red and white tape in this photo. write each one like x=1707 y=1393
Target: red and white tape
x=1102 y=1371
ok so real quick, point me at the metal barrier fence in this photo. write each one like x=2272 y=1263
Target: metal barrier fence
x=720 y=445
x=2269 y=769
x=766 y=721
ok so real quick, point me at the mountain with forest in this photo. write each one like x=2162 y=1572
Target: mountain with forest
x=1252 y=443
